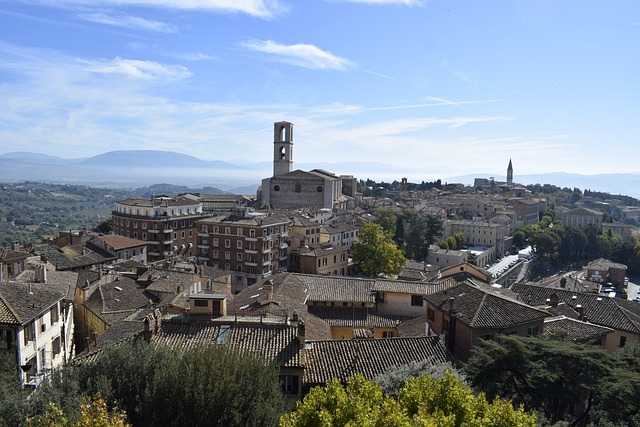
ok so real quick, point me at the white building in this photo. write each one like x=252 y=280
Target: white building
x=37 y=325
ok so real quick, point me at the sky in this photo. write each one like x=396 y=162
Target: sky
x=436 y=87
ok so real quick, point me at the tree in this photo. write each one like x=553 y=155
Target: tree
x=93 y=413
x=387 y=219
x=422 y=233
x=562 y=380
x=157 y=386
x=105 y=227
x=422 y=401
x=375 y=253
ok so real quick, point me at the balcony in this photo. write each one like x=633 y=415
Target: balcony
x=251 y=264
x=251 y=239
x=168 y=230
x=153 y=231
x=203 y=234
x=167 y=242
x=203 y=246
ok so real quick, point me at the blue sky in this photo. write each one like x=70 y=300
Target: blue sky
x=436 y=87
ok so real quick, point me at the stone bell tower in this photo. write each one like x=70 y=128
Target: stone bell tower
x=282 y=148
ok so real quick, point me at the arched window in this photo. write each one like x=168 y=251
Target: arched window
x=283 y=153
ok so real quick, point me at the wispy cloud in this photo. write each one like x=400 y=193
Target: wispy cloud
x=301 y=55
x=138 y=69
x=258 y=8
x=193 y=56
x=68 y=106
x=383 y=2
x=128 y=21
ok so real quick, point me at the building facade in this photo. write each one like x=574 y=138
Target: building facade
x=480 y=233
x=251 y=248
x=166 y=224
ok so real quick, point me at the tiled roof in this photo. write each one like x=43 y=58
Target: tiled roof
x=9 y=255
x=355 y=317
x=407 y=287
x=610 y=312
x=415 y=327
x=276 y=343
x=480 y=307
x=573 y=330
x=20 y=303
x=120 y=242
x=122 y=294
x=338 y=289
x=341 y=359
x=605 y=264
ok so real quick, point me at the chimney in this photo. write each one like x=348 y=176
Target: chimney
x=301 y=332
x=451 y=331
x=554 y=300
x=580 y=310
x=268 y=291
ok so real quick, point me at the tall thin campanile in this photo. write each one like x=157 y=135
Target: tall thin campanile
x=282 y=148
x=510 y=173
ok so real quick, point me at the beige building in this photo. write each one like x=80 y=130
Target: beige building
x=580 y=217
x=325 y=259
x=480 y=233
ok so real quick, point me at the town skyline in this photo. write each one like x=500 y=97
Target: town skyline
x=409 y=82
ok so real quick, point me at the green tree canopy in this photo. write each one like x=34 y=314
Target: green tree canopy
x=564 y=381
x=422 y=401
x=387 y=219
x=375 y=253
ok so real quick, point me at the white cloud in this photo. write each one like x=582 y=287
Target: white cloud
x=301 y=55
x=138 y=69
x=193 y=56
x=383 y=2
x=128 y=21
x=258 y=8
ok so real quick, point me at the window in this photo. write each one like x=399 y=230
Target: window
x=227 y=230
x=54 y=314
x=215 y=242
x=205 y=229
x=298 y=187
x=227 y=255
x=319 y=189
x=431 y=315
x=623 y=341
x=276 y=188
x=239 y=244
x=416 y=300
x=56 y=346
x=29 y=333
x=227 y=243
x=387 y=334
x=201 y=303
x=532 y=331
x=239 y=256
x=240 y=232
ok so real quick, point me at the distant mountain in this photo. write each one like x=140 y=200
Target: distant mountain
x=32 y=157
x=170 y=190
x=151 y=158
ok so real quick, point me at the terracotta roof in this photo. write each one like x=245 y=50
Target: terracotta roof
x=18 y=306
x=355 y=317
x=408 y=287
x=481 y=307
x=275 y=342
x=341 y=359
x=120 y=242
x=613 y=313
x=573 y=330
x=416 y=327
x=337 y=289
x=9 y=255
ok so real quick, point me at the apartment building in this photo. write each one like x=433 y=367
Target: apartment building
x=252 y=247
x=303 y=231
x=11 y=263
x=164 y=223
x=481 y=233
x=37 y=325
x=326 y=259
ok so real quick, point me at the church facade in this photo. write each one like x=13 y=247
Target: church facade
x=293 y=189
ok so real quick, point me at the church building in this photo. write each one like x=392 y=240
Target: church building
x=293 y=189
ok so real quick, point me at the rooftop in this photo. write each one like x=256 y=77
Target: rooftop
x=21 y=303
